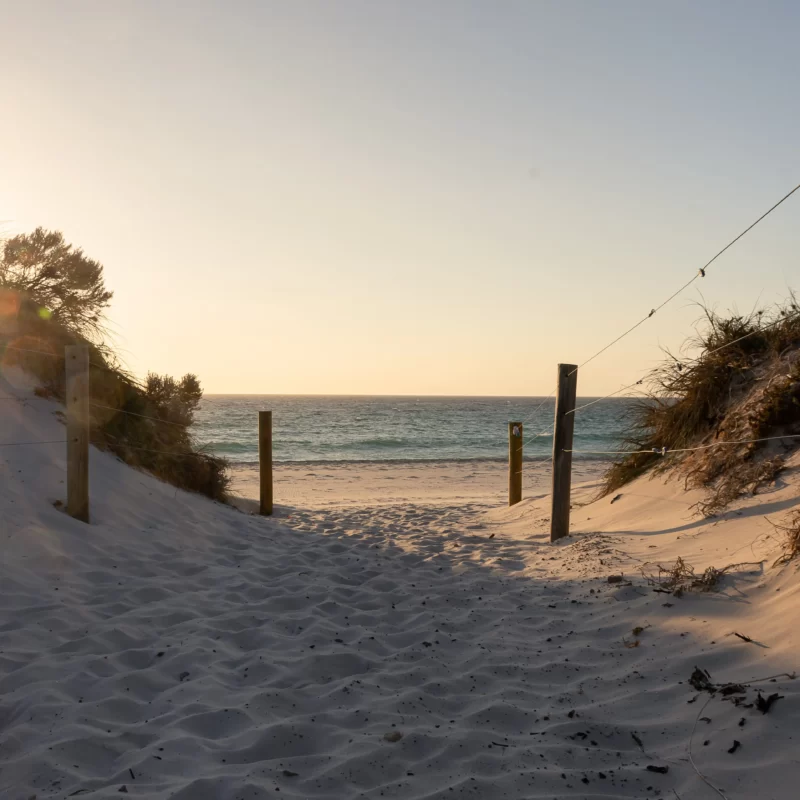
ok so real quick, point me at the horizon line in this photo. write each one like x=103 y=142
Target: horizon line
x=445 y=396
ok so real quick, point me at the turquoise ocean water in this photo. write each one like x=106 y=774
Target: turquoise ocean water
x=370 y=429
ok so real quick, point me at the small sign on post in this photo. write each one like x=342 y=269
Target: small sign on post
x=76 y=361
x=265 y=462
x=562 y=450
x=514 y=462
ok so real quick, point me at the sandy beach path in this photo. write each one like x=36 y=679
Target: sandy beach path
x=178 y=649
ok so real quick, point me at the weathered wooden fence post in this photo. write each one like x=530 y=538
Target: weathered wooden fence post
x=265 y=461
x=514 y=462
x=76 y=362
x=562 y=450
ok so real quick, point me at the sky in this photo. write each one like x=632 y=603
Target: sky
x=366 y=197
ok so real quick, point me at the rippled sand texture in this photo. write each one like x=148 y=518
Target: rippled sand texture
x=180 y=649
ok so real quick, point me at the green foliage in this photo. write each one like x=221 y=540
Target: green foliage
x=147 y=425
x=176 y=401
x=57 y=280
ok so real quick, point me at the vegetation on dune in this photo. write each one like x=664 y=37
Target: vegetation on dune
x=52 y=295
x=744 y=385
x=681 y=577
x=791 y=537
x=64 y=284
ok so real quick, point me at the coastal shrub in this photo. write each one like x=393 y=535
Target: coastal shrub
x=743 y=385
x=63 y=283
x=146 y=424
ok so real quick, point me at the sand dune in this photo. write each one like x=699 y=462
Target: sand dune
x=176 y=648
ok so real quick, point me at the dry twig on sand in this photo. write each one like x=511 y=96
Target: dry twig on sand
x=691 y=759
x=681 y=577
x=712 y=688
x=791 y=532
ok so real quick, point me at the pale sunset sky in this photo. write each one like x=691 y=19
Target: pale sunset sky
x=409 y=197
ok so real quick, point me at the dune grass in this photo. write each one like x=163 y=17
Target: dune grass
x=51 y=295
x=147 y=424
x=744 y=384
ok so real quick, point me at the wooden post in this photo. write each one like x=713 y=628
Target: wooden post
x=514 y=462
x=265 y=461
x=562 y=442
x=76 y=360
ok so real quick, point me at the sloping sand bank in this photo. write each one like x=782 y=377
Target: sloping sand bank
x=181 y=649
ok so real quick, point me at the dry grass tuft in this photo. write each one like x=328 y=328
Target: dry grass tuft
x=681 y=577
x=53 y=295
x=735 y=479
x=154 y=435
x=791 y=542
x=749 y=389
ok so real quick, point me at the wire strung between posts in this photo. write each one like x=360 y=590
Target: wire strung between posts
x=96 y=405
x=540 y=460
x=700 y=274
x=25 y=444
x=533 y=414
x=600 y=399
x=94 y=364
x=108 y=408
x=685 y=363
x=741 y=338
x=537 y=409
x=542 y=433
x=134 y=414
x=26 y=350
x=662 y=451
x=688 y=362
x=43 y=353
x=148 y=450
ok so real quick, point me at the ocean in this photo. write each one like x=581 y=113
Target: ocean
x=404 y=429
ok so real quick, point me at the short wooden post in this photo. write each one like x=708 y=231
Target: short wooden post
x=76 y=360
x=514 y=462
x=562 y=450
x=265 y=461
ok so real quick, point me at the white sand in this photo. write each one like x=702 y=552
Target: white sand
x=336 y=484
x=182 y=649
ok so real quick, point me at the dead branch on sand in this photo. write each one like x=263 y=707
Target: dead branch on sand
x=681 y=577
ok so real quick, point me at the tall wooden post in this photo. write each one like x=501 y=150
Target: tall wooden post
x=76 y=360
x=562 y=450
x=514 y=462
x=265 y=461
